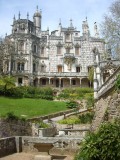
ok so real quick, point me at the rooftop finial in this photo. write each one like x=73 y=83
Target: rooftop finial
x=27 y=15
x=60 y=22
x=37 y=8
x=71 y=25
x=14 y=18
x=19 y=15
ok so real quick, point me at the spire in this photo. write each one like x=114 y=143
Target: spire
x=71 y=25
x=37 y=8
x=19 y=15
x=60 y=22
x=27 y=16
x=14 y=18
x=96 y=30
x=47 y=28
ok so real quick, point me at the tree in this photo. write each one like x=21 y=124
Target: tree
x=102 y=145
x=7 y=82
x=7 y=51
x=91 y=75
x=110 y=29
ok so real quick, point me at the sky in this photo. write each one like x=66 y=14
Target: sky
x=53 y=11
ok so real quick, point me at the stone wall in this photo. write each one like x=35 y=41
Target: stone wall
x=10 y=128
x=47 y=132
x=7 y=146
x=106 y=109
x=48 y=144
x=113 y=110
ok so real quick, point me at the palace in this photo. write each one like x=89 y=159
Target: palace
x=60 y=59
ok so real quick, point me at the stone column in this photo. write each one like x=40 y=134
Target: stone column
x=70 y=82
x=49 y=81
x=80 y=82
x=59 y=82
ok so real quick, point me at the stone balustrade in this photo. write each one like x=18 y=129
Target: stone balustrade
x=109 y=84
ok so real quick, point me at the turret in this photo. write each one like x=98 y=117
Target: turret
x=85 y=28
x=37 y=20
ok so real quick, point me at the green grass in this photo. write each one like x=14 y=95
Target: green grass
x=30 y=107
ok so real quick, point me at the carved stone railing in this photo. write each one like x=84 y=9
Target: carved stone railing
x=109 y=84
x=63 y=74
x=20 y=72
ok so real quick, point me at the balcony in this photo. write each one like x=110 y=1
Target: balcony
x=63 y=74
x=20 y=72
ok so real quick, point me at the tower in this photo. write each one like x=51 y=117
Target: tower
x=37 y=20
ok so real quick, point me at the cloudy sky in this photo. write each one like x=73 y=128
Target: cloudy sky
x=52 y=11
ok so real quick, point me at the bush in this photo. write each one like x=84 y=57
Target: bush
x=11 y=116
x=78 y=93
x=2 y=91
x=72 y=104
x=102 y=145
x=86 y=118
x=70 y=120
x=117 y=83
x=16 y=92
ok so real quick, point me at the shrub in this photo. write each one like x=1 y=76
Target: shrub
x=71 y=104
x=43 y=125
x=117 y=83
x=70 y=120
x=2 y=91
x=86 y=118
x=102 y=145
x=11 y=116
x=16 y=92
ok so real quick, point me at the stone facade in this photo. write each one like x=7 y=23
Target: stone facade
x=60 y=59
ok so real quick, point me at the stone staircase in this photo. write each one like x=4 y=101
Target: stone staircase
x=100 y=109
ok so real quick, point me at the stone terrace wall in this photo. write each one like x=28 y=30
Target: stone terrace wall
x=10 y=128
x=106 y=109
x=7 y=146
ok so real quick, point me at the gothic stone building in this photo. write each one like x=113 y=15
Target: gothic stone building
x=60 y=59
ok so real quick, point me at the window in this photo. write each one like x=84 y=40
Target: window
x=21 y=46
x=73 y=82
x=67 y=50
x=67 y=37
x=34 y=67
x=42 y=51
x=35 y=49
x=77 y=69
x=43 y=81
x=59 y=69
x=20 y=66
x=42 y=68
x=19 y=80
x=77 y=50
x=59 y=48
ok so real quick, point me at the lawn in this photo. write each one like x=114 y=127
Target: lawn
x=30 y=107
